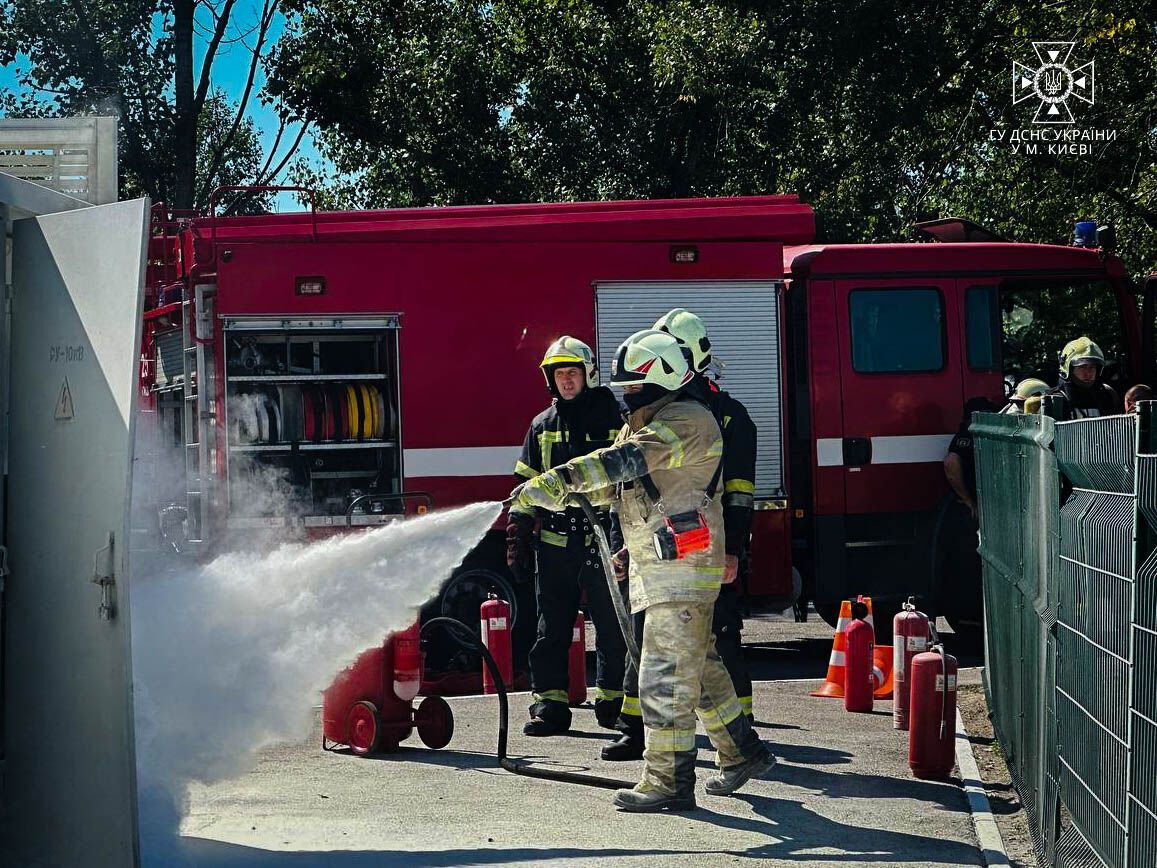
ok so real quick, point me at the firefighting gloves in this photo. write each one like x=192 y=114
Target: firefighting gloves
x=546 y=491
x=621 y=563
x=519 y=547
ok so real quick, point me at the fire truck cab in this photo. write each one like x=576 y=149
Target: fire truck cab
x=888 y=343
x=311 y=372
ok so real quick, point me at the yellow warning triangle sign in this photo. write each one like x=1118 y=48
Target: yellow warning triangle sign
x=64 y=408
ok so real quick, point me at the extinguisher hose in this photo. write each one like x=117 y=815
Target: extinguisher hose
x=466 y=637
x=607 y=557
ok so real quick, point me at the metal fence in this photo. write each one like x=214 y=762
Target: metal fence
x=1068 y=533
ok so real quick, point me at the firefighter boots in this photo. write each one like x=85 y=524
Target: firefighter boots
x=651 y=801
x=731 y=779
x=628 y=746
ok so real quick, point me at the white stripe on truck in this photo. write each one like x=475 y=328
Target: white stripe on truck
x=907 y=449
x=466 y=461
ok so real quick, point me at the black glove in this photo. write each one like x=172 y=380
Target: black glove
x=621 y=563
x=520 y=547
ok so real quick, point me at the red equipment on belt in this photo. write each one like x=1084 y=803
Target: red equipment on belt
x=681 y=535
x=932 y=720
x=911 y=633
x=577 y=662
x=859 y=684
x=495 y=615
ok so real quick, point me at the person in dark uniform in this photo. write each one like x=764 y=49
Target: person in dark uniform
x=960 y=462
x=583 y=417
x=1086 y=394
x=958 y=530
x=739 y=436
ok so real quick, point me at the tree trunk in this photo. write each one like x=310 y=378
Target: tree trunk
x=185 y=125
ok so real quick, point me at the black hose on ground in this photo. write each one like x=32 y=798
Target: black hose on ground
x=465 y=636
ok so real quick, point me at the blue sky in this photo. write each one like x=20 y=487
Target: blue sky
x=230 y=69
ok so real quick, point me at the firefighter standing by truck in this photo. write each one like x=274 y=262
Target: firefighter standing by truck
x=739 y=444
x=1086 y=394
x=582 y=417
x=662 y=476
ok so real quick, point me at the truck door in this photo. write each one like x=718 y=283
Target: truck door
x=69 y=786
x=980 y=339
x=901 y=392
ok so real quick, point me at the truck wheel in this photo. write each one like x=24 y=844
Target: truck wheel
x=830 y=612
x=363 y=728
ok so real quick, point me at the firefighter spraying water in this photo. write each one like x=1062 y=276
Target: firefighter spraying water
x=231 y=656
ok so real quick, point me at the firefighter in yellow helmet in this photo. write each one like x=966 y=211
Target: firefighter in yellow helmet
x=1082 y=365
x=1025 y=389
x=739 y=436
x=661 y=476
x=582 y=417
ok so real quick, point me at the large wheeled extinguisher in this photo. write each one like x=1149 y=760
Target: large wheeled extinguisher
x=911 y=633
x=495 y=621
x=577 y=662
x=859 y=684
x=932 y=716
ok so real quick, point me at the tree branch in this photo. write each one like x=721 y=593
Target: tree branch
x=215 y=163
x=272 y=176
x=222 y=20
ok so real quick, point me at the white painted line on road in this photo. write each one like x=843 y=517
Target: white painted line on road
x=987 y=832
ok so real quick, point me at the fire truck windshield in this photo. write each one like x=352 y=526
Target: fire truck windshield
x=1038 y=317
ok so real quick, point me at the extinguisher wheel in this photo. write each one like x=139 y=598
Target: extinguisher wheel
x=435 y=722
x=363 y=728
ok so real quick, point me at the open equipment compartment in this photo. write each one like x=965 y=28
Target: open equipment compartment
x=311 y=406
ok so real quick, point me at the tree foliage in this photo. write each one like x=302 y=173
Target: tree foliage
x=179 y=135
x=875 y=112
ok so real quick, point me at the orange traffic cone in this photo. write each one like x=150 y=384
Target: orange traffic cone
x=833 y=686
x=882 y=672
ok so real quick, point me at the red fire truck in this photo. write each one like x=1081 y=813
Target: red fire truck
x=363 y=356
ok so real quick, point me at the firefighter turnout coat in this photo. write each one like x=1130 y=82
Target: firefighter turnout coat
x=677 y=441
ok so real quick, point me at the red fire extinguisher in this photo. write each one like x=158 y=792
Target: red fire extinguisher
x=495 y=617
x=911 y=632
x=858 y=682
x=577 y=662
x=932 y=716
x=407 y=663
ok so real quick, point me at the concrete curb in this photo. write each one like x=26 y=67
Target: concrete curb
x=987 y=832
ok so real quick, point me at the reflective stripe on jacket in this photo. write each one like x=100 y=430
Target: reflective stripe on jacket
x=679 y=444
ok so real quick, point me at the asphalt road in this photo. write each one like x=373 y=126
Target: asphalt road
x=842 y=794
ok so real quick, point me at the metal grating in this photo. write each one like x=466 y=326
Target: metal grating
x=743 y=322
x=170 y=358
x=1071 y=628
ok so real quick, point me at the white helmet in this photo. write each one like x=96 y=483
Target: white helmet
x=569 y=352
x=651 y=356
x=690 y=331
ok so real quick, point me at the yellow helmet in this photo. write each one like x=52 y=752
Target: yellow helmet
x=691 y=332
x=1029 y=388
x=651 y=356
x=1083 y=349
x=1032 y=404
x=569 y=352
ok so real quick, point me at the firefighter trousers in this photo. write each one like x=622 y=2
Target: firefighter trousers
x=726 y=624
x=681 y=677
x=564 y=573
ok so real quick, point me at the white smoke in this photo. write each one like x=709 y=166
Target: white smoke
x=231 y=656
